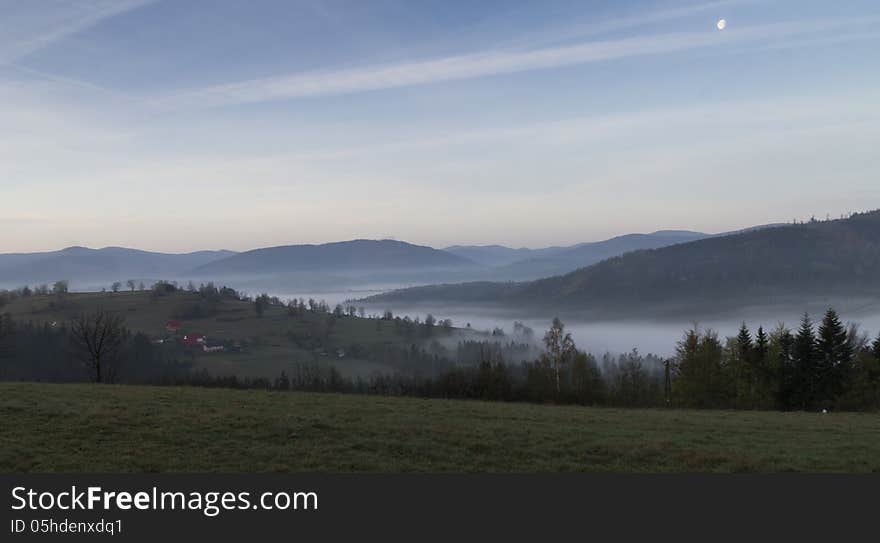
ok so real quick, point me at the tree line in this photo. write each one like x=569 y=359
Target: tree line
x=824 y=366
x=829 y=366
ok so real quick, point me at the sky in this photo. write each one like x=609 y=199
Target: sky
x=180 y=125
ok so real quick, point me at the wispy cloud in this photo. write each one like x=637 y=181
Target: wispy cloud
x=581 y=30
x=493 y=62
x=31 y=26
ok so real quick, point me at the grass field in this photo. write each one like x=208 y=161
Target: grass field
x=103 y=428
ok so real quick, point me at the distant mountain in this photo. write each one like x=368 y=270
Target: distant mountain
x=81 y=264
x=524 y=263
x=562 y=260
x=498 y=255
x=345 y=256
x=790 y=262
x=325 y=266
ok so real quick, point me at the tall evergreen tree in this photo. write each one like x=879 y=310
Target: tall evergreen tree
x=834 y=358
x=804 y=374
x=742 y=368
x=784 y=374
x=875 y=348
x=761 y=344
x=761 y=374
x=744 y=342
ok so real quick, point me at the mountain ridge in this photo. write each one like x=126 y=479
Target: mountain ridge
x=78 y=263
x=362 y=254
x=839 y=257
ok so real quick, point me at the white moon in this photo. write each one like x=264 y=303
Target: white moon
x=722 y=24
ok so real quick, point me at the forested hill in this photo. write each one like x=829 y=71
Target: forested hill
x=839 y=257
x=568 y=259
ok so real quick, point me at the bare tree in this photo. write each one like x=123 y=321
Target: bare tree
x=131 y=285
x=560 y=349
x=116 y=286
x=97 y=339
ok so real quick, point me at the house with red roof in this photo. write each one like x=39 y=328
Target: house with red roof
x=193 y=339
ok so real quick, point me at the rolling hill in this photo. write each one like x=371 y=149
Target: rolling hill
x=82 y=264
x=325 y=266
x=271 y=342
x=356 y=255
x=830 y=258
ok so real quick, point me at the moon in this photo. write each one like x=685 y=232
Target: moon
x=722 y=24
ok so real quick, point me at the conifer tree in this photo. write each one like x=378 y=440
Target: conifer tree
x=785 y=367
x=744 y=342
x=834 y=358
x=804 y=374
x=743 y=372
x=760 y=371
x=761 y=344
x=875 y=348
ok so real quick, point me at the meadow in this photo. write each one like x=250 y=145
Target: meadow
x=113 y=428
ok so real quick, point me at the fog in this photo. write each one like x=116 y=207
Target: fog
x=656 y=335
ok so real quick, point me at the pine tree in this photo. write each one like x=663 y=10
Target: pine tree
x=875 y=348
x=804 y=374
x=742 y=369
x=744 y=342
x=785 y=368
x=761 y=343
x=760 y=370
x=834 y=358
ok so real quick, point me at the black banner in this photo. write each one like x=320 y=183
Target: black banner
x=455 y=507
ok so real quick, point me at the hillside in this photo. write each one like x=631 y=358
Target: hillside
x=258 y=345
x=71 y=428
x=526 y=263
x=345 y=256
x=831 y=258
x=85 y=265
x=564 y=260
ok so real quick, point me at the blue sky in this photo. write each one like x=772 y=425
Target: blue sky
x=181 y=125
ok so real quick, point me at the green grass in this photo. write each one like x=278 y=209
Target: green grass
x=102 y=428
